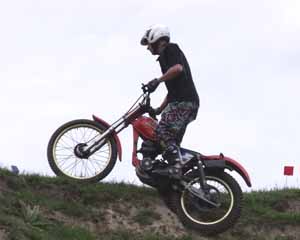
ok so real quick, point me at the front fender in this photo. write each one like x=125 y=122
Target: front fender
x=220 y=161
x=116 y=138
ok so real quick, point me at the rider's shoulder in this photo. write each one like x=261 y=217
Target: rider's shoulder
x=172 y=47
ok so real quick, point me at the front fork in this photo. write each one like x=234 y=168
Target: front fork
x=112 y=131
x=89 y=150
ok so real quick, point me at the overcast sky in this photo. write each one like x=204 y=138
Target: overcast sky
x=61 y=60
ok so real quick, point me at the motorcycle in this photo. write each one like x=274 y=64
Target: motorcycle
x=206 y=198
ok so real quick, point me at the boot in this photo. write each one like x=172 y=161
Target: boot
x=173 y=155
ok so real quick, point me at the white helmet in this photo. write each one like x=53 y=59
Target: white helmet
x=154 y=33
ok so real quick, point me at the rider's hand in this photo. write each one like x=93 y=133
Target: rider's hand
x=152 y=85
x=153 y=112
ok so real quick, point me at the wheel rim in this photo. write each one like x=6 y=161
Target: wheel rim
x=200 y=212
x=69 y=163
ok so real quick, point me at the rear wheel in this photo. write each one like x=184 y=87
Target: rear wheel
x=225 y=195
x=66 y=157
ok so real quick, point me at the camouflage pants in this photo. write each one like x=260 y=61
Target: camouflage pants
x=174 y=120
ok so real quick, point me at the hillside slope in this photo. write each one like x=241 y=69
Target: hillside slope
x=43 y=208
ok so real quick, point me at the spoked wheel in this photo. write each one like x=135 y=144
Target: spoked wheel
x=220 y=209
x=67 y=157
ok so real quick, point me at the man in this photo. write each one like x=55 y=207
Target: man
x=181 y=104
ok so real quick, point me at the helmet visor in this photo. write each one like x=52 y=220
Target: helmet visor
x=144 y=40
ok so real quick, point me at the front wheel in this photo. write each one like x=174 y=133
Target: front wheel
x=225 y=195
x=64 y=148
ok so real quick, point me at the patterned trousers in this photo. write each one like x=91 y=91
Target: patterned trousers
x=174 y=120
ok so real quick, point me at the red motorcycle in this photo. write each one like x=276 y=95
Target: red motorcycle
x=205 y=198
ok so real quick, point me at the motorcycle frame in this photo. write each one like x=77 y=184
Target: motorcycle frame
x=130 y=116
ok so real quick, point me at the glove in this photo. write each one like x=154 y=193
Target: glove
x=157 y=111
x=152 y=85
x=153 y=112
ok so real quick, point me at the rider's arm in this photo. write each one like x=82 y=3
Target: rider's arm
x=171 y=73
x=173 y=58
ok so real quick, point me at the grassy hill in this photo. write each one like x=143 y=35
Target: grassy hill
x=33 y=207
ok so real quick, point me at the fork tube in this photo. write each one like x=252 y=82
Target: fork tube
x=125 y=120
x=99 y=143
x=129 y=117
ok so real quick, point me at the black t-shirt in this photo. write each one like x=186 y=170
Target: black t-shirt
x=182 y=87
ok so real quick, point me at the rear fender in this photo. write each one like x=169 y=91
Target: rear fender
x=220 y=161
x=116 y=138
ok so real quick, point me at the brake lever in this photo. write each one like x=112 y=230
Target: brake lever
x=145 y=88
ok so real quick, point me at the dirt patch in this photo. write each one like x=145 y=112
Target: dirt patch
x=3 y=235
x=3 y=186
x=289 y=206
x=282 y=232
x=294 y=206
x=123 y=217
x=169 y=222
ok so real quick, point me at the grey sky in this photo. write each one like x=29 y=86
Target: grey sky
x=62 y=60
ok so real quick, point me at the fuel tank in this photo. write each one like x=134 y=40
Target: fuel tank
x=145 y=126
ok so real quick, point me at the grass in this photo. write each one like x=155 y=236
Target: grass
x=45 y=208
x=49 y=232
x=272 y=207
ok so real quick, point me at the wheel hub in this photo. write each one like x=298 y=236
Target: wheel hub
x=79 y=151
x=209 y=198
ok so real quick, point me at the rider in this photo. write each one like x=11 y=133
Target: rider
x=181 y=104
